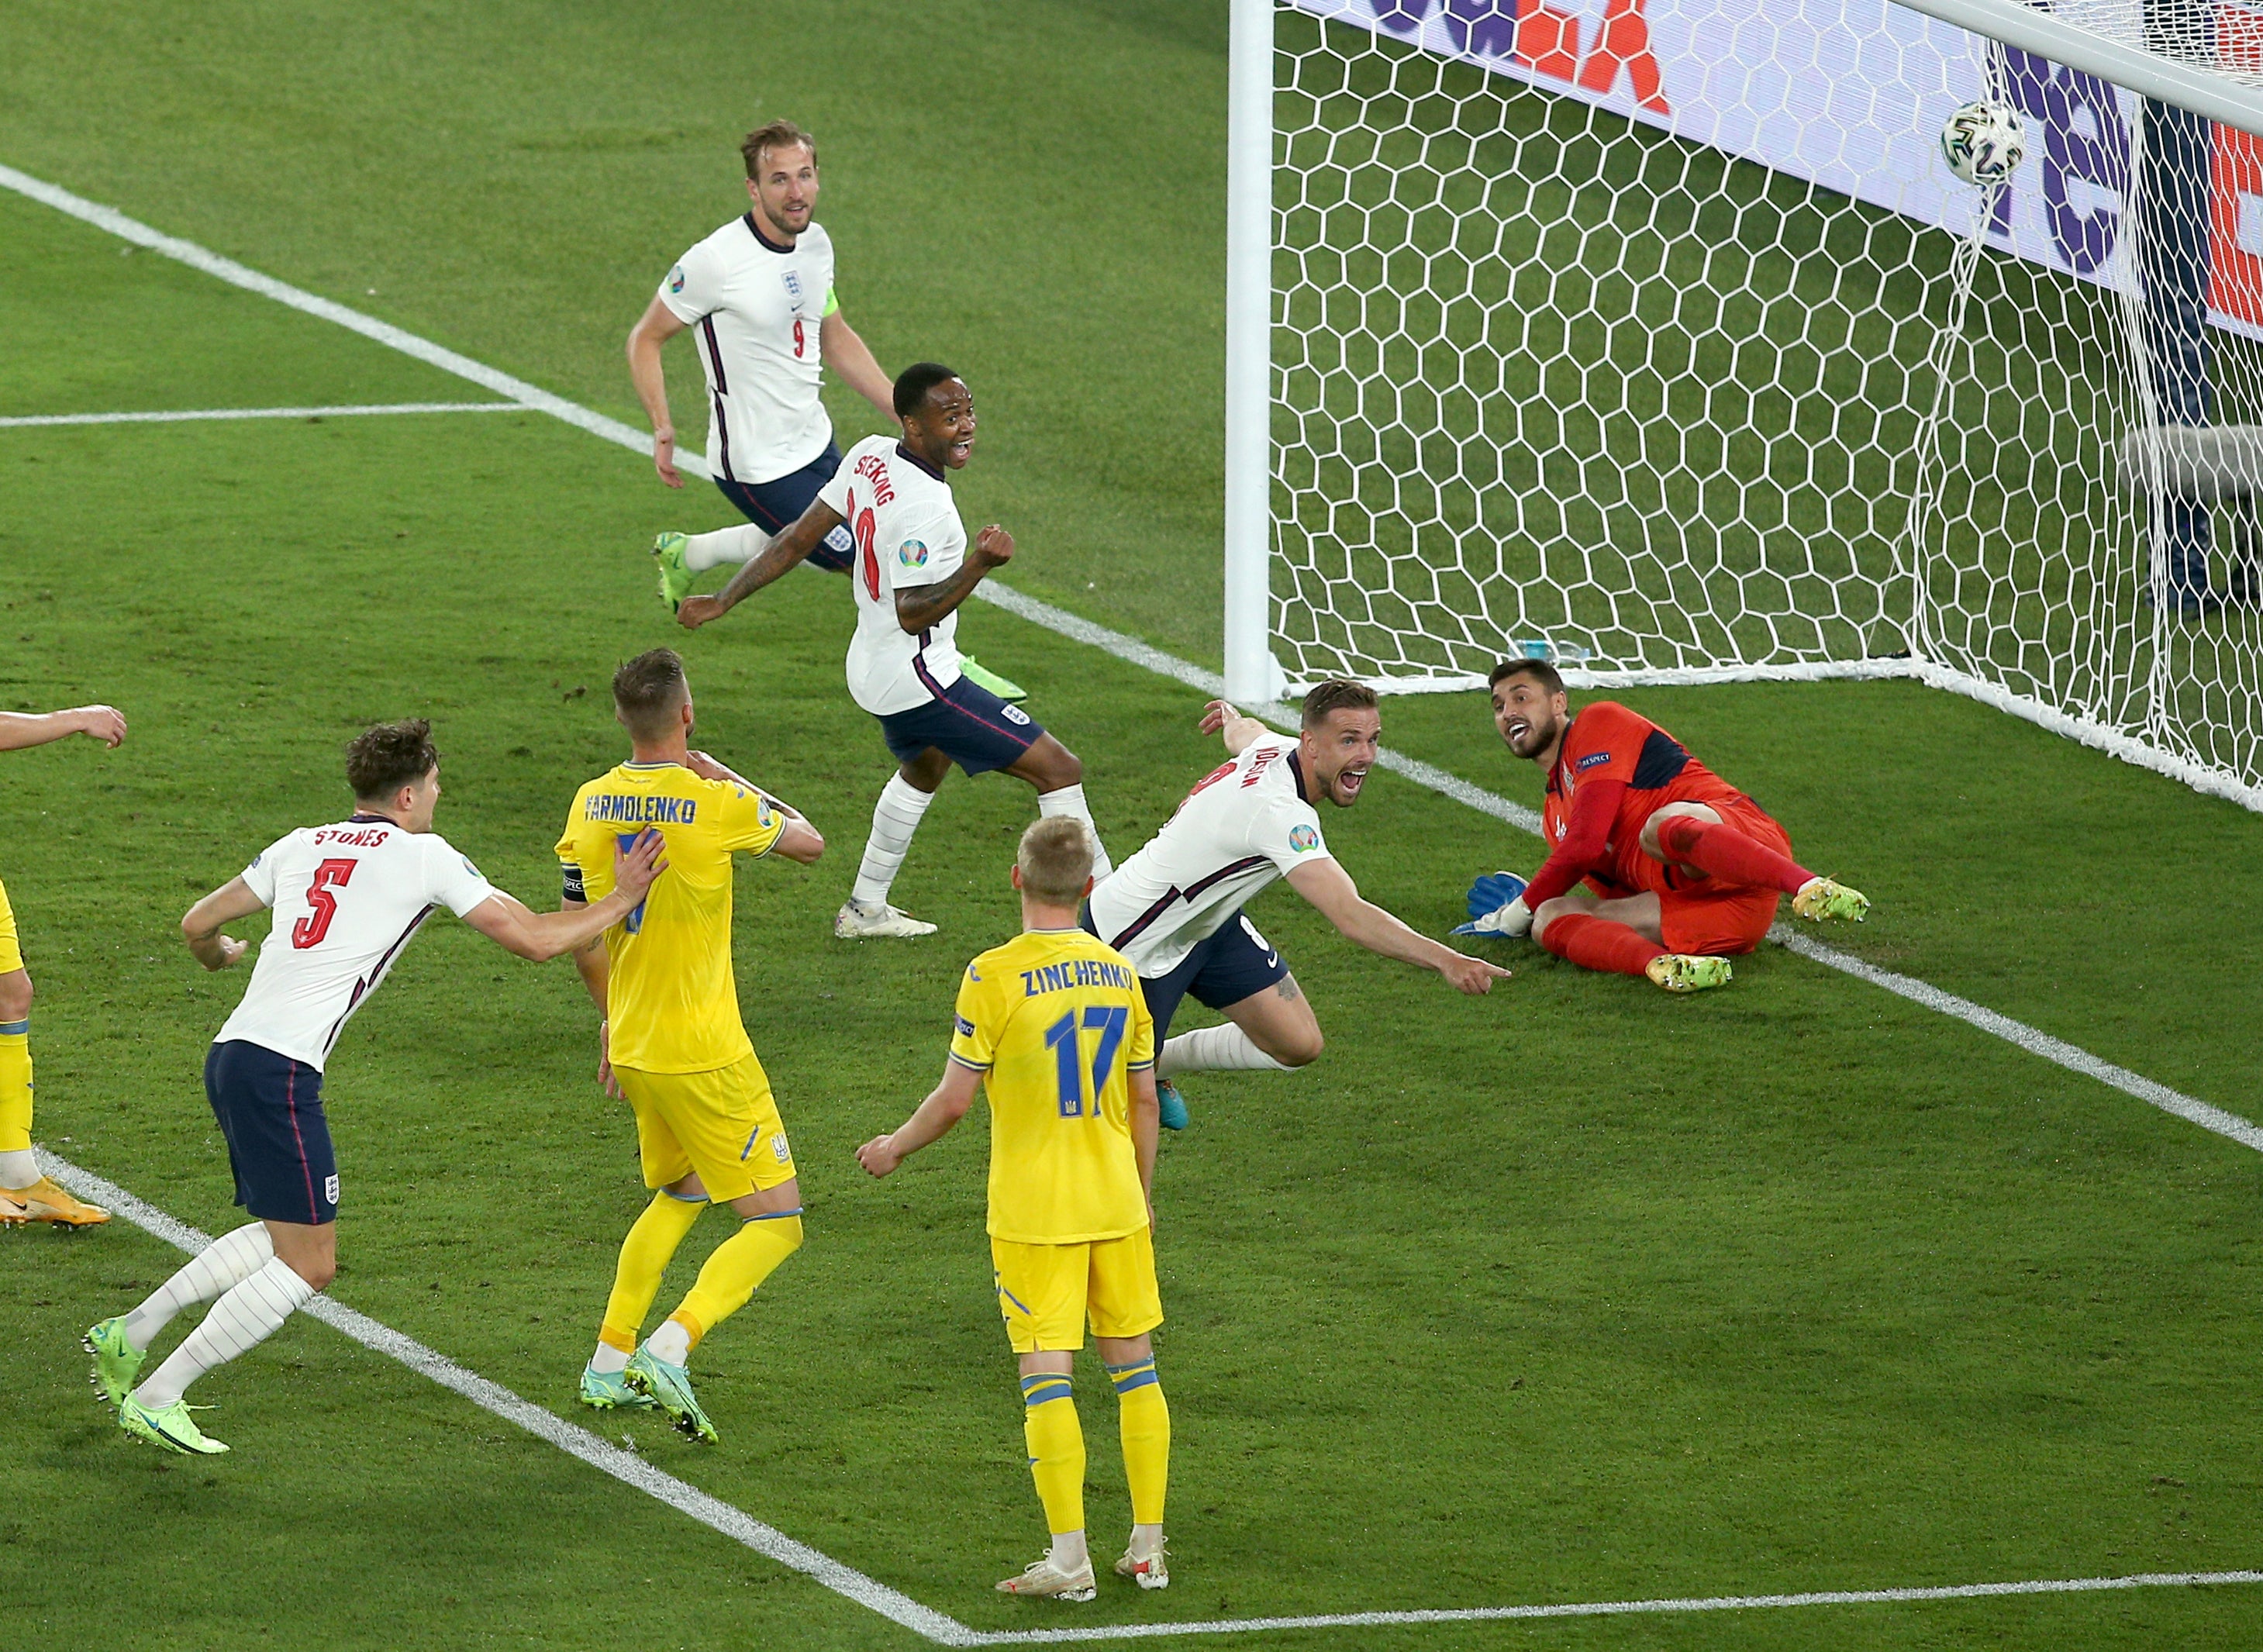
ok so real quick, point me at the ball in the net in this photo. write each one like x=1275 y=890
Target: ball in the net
x=1983 y=143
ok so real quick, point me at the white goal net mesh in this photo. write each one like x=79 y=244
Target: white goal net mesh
x=1657 y=337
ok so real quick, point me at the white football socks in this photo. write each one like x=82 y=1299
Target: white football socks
x=742 y=543
x=228 y=1261
x=1223 y=1048
x=1146 y=1542
x=250 y=1313
x=1070 y=800
x=19 y=1169
x=672 y=1342
x=894 y=818
x=608 y=1360
x=1068 y=1552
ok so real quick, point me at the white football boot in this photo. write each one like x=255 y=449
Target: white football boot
x=1149 y=1571
x=1046 y=1580
x=852 y=923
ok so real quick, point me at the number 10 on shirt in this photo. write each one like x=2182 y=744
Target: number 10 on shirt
x=1110 y=1022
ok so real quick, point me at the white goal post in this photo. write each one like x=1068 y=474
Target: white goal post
x=1653 y=336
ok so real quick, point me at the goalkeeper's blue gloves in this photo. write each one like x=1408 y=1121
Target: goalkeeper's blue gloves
x=1497 y=907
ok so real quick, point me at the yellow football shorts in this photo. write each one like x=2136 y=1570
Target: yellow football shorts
x=723 y=1123
x=11 y=953
x=1047 y=1292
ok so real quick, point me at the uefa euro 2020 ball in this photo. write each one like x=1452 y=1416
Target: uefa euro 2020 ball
x=1984 y=143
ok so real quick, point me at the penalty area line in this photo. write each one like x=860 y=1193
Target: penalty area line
x=624 y=1466
x=42 y=420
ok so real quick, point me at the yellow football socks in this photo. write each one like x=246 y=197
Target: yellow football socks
x=1145 y=1421
x=1056 y=1449
x=739 y=1263
x=651 y=1241
x=16 y=1088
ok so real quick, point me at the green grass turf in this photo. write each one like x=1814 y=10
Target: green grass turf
x=1574 y=1292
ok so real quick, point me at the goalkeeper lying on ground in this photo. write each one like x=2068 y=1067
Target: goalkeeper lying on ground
x=1685 y=869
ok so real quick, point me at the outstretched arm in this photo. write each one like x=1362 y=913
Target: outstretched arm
x=1239 y=729
x=780 y=554
x=19 y=729
x=849 y=356
x=1329 y=887
x=506 y=921
x=920 y=606
x=945 y=1105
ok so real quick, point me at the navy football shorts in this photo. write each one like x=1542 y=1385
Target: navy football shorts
x=269 y=1109
x=969 y=724
x=776 y=505
x=1232 y=963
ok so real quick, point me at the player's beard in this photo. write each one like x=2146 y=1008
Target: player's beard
x=1538 y=738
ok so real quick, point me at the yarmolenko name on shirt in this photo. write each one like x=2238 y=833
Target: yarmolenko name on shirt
x=613 y=805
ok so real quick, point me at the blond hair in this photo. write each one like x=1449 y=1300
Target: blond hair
x=1055 y=859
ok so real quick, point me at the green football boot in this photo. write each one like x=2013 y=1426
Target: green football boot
x=116 y=1361
x=608 y=1391
x=1819 y=899
x=674 y=577
x=669 y=1387
x=1688 y=971
x=172 y=1429
x=983 y=677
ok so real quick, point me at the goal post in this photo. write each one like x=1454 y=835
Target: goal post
x=1653 y=336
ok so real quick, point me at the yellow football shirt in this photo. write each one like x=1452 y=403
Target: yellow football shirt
x=672 y=1000
x=1054 y=1022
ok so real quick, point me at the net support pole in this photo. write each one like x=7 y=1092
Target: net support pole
x=1251 y=674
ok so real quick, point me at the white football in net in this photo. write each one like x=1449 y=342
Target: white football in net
x=1984 y=143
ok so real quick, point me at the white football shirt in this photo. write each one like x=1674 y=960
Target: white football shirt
x=346 y=899
x=756 y=309
x=907 y=534
x=1246 y=824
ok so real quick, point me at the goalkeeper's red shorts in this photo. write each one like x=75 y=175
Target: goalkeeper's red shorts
x=1699 y=915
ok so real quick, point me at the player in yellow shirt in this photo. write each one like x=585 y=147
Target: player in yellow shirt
x=25 y=1195
x=708 y=1131
x=1053 y=1025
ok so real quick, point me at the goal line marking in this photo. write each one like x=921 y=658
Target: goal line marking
x=39 y=420
x=939 y=1627
x=846 y=1581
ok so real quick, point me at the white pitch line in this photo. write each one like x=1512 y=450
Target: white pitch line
x=1619 y=1608
x=33 y=421
x=624 y=1466
x=1135 y=651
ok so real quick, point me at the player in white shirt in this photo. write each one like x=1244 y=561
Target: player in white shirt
x=1174 y=908
x=912 y=569
x=347 y=897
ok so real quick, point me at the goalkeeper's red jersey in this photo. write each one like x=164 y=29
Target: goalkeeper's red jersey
x=1609 y=743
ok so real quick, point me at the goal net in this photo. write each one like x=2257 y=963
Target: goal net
x=1655 y=336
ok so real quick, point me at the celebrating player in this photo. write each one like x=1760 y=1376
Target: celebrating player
x=1686 y=870
x=347 y=897
x=1174 y=908
x=708 y=1131
x=914 y=569
x=760 y=291
x=1052 y=1024
x=25 y=1195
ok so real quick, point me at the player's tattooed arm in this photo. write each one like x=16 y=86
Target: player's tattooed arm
x=945 y=1105
x=201 y=926
x=782 y=553
x=1220 y=718
x=920 y=606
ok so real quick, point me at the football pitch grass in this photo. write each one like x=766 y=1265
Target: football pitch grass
x=1574 y=1293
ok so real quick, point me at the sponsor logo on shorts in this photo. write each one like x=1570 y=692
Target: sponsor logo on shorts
x=1015 y=714
x=1303 y=838
x=675 y=280
x=913 y=553
x=331 y=1188
x=1590 y=760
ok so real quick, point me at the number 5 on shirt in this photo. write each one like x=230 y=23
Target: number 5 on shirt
x=308 y=931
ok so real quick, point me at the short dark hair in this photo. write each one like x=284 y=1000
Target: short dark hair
x=1539 y=670
x=914 y=382
x=1337 y=694
x=387 y=756
x=646 y=691
x=780 y=134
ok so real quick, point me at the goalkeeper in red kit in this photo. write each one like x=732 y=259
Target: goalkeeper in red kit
x=1682 y=870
